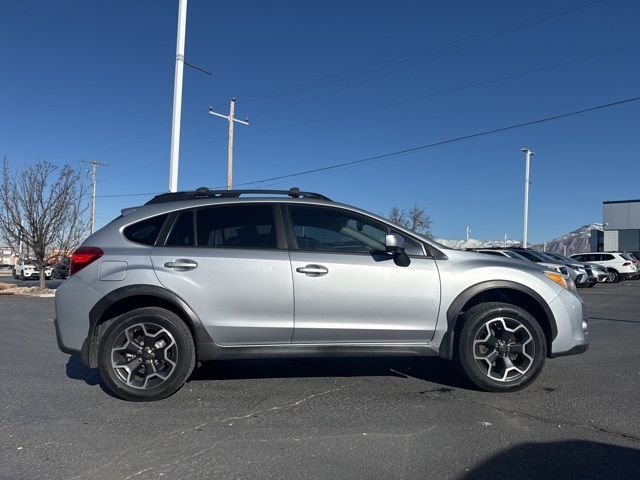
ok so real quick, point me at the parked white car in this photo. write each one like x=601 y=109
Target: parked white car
x=620 y=265
x=26 y=270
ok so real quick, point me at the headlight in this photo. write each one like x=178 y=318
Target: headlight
x=564 y=282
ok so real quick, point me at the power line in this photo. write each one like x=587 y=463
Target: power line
x=441 y=142
x=417 y=148
x=400 y=62
x=419 y=56
x=449 y=90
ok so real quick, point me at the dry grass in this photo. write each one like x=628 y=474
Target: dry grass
x=11 y=289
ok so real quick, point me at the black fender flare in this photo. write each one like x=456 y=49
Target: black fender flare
x=454 y=310
x=89 y=352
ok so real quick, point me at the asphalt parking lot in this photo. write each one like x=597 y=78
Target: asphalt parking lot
x=337 y=418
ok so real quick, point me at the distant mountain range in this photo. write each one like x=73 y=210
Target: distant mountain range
x=574 y=241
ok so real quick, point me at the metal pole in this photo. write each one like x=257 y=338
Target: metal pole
x=468 y=230
x=527 y=157
x=177 y=97
x=232 y=109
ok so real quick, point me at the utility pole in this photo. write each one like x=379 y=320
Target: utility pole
x=177 y=97
x=505 y=241
x=231 y=118
x=527 y=159
x=468 y=231
x=92 y=211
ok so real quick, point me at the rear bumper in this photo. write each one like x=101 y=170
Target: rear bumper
x=74 y=301
x=63 y=348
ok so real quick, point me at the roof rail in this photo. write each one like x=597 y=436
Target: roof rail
x=204 y=192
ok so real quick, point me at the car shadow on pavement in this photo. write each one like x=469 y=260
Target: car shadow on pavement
x=77 y=371
x=560 y=460
x=91 y=376
x=430 y=369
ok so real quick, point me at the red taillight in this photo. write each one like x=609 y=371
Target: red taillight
x=82 y=257
x=626 y=264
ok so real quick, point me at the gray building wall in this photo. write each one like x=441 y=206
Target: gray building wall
x=621 y=225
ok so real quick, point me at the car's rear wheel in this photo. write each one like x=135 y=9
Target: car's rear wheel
x=146 y=354
x=614 y=276
x=501 y=347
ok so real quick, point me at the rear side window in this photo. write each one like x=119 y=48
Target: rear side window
x=606 y=257
x=145 y=232
x=181 y=234
x=236 y=226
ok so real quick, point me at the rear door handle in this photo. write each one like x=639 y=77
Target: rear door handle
x=181 y=264
x=313 y=270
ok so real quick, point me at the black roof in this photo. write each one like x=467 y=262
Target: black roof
x=204 y=192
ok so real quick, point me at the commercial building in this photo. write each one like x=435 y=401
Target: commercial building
x=7 y=255
x=621 y=226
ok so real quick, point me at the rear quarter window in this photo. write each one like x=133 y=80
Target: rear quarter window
x=146 y=231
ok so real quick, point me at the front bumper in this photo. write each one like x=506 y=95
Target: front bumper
x=572 y=323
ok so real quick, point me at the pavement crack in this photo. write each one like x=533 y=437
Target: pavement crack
x=531 y=416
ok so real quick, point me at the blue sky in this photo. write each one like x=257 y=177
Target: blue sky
x=85 y=80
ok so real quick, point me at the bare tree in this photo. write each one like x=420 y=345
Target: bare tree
x=43 y=206
x=414 y=219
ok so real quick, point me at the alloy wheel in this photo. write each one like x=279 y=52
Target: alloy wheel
x=144 y=355
x=504 y=349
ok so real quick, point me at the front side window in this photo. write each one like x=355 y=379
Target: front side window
x=145 y=232
x=336 y=230
x=236 y=226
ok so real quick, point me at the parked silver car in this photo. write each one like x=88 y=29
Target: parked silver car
x=600 y=274
x=196 y=276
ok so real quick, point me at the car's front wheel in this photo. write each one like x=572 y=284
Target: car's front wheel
x=146 y=354
x=501 y=347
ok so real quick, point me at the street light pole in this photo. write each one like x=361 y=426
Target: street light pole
x=177 y=97
x=527 y=159
x=468 y=231
x=232 y=119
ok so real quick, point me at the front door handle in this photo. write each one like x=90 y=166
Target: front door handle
x=313 y=270
x=181 y=264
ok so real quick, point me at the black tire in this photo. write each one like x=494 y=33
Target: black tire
x=615 y=276
x=476 y=322
x=183 y=355
x=591 y=284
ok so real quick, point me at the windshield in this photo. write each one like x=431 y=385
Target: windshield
x=562 y=258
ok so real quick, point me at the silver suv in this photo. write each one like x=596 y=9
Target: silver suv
x=204 y=275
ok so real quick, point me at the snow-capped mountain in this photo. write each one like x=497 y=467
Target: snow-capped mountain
x=575 y=241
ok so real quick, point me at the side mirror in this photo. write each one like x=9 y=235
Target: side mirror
x=394 y=243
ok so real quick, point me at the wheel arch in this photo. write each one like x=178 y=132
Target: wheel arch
x=497 y=291
x=128 y=298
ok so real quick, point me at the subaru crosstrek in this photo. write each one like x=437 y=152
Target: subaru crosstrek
x=205 y=275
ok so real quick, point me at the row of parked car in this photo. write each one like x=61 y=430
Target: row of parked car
x=585 y=269
x=25 y=269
